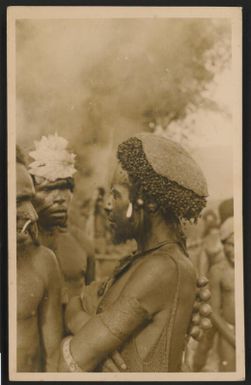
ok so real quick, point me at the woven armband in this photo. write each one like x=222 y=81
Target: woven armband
x=123 y=317
x=71 y=363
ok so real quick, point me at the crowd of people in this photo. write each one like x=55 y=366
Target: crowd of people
x=156 y=311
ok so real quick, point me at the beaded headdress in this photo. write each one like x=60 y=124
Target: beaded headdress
x=166 y=173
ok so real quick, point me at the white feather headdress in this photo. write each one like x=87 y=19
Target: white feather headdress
x=52 y=160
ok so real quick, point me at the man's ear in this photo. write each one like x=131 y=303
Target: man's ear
x=152 y=207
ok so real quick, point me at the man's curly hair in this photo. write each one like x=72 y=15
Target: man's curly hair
x=169 y=195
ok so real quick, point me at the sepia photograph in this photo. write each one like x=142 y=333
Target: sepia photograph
x=125 y=194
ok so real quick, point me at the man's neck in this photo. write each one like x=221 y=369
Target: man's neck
x=26 y=250
x=50 y=228
x=161 y=231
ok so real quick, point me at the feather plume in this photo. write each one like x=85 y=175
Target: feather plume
x=52 y=160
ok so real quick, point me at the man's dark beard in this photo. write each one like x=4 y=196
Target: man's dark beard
x=138 y=228
x=122 y=234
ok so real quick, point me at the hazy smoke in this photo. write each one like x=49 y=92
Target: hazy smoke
x=97 y=81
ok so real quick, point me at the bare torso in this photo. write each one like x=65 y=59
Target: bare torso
x=39 y=318
x=71 y=257
x=222 y=288
x=226 y=272
x=30 y=292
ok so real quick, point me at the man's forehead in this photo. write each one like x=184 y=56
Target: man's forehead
x=120 y=176
x=44 y=184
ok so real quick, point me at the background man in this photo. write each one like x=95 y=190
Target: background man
x=212 y=251
x=222 y=288
x=39 y=318
x=222 y=279
x=53 y=169
x=145 y=309
x=211 y=254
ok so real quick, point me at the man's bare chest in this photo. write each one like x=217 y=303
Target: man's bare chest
x=70 y=256
x=30 y=291
x=116 y=288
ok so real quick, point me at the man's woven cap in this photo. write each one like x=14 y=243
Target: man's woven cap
x=170 y=160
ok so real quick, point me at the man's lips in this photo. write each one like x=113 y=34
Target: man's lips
x=58 y=211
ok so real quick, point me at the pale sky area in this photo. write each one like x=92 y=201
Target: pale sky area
x=211 y=142
x=215 y=145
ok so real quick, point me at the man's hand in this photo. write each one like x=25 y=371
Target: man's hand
x=114 y=364
x=201 y=310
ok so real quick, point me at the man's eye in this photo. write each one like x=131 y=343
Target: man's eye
x=47 y=188
x=34 y=200
x=115 y=195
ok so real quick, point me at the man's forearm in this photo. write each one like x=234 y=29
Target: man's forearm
x=91 y=345
x=78 y=321
x=104 y=333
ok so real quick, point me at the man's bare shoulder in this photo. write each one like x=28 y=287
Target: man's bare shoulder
x=45 y=261
x=170 y=256
x=154 y=279
x=156 y=268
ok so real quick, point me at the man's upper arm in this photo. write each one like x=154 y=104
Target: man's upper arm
x=203 y=263
x=215 y=287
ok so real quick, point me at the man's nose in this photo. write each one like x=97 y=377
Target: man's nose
x=108 y=205
x=60 y=197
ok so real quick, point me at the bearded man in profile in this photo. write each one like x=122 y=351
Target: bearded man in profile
x=39 y=315
x=145 y=310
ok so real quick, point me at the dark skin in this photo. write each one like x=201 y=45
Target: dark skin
x=212 y=252
x=39 y=317
x=52 y=203
x=92 y=343
x=222 y=288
